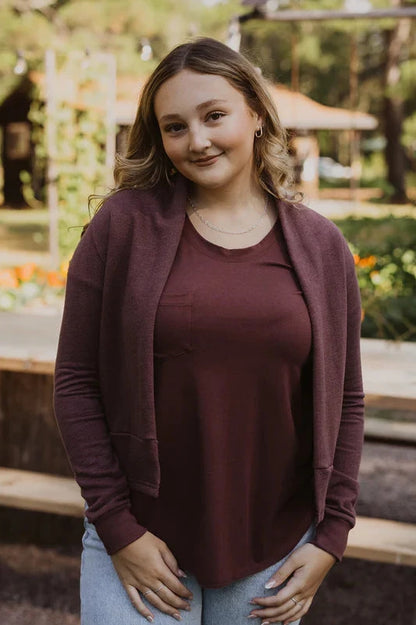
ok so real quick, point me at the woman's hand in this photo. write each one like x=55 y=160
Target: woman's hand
x=147 y=565
x=305 y=570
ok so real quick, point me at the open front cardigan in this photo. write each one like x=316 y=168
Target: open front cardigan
x=104 y=378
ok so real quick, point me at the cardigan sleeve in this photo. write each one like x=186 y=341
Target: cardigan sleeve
x=332 y=531
x=77 y=399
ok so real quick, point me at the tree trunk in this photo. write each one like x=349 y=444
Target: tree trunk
x=396 y=40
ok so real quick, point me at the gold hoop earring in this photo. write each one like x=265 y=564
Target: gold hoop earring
x=259 y=132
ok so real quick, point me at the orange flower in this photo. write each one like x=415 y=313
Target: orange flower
x=25 y=272
x=8 y=279
x=41 y=275
x=356 y=259
x=362 y=314
x=55 y=279
x=369 y=261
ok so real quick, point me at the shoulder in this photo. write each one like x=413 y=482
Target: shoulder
x=122 y=208
x=312 y=227
x=114 y=218
x=307 y=218
x=127 y=202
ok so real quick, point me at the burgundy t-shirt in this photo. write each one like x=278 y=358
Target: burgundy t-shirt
x=233 y=404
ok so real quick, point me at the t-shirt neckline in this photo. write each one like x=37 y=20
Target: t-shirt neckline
x=213 y=249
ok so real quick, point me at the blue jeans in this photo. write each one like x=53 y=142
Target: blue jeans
x=105 y=602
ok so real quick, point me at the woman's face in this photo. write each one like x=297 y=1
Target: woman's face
x=207 y=129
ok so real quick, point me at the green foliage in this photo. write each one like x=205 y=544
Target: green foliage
x=106 y=25
x=80 y=129
x=70 y=27
x=385 y=254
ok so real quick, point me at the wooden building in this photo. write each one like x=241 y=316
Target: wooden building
x=299 y=114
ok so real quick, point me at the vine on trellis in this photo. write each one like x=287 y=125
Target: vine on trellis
x=83 y=85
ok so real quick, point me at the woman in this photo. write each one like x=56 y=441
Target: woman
x=208 y=385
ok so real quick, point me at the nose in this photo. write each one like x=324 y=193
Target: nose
x=198 y=139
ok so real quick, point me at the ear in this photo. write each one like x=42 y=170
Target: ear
x=259 y=120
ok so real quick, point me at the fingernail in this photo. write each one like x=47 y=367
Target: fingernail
x=252 y=616
x=150 y=619
x=177 y=616
x=269 y=585
x=182 y=573
x=265 y=623
x=252 y=601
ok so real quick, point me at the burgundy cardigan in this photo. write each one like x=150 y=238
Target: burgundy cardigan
x=104 y=394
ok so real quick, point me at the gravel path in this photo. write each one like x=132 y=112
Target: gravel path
x=39 y=585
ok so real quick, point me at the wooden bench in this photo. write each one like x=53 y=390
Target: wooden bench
x=389 y=431
x=42 y=492
x=381 y=540
x=371 y=539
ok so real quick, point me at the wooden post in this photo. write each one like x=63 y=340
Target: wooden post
x=110 y=143
x=354 y=136
x=294 y=61
x=51 y=150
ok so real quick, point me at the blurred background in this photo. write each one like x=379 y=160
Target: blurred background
x=343 y=76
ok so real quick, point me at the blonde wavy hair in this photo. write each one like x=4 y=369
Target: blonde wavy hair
x=146 y=165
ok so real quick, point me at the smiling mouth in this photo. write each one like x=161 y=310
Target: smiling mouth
x=207 y=160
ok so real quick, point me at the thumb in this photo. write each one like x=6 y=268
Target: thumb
x=282 y=574
x=172 y=563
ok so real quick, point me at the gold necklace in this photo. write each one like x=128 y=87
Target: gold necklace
x=214 y=227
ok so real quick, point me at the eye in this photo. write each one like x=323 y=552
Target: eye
x=174 y=128
x=215 y=116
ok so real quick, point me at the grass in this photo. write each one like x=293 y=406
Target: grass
x=14 y=217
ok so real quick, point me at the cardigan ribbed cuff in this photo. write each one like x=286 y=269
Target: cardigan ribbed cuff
x=332 y=535
x=118 y=530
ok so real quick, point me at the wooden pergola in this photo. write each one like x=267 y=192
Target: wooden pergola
x=263 y=10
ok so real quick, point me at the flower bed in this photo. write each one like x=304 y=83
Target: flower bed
x=385 y=257
x=29 y=287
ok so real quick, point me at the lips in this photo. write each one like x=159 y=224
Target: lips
x=208 y=160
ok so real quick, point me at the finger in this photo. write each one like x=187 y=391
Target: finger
x=272 y=601
x=292 y=611
x=304 y=609
x=282 y=573
x=137 y=602
x=171 y=598
x=172 y=563
x=279 y=614
x=172 y=582
x=280 y=610
x=161 y=605
x=295 y=587
x=291 y=589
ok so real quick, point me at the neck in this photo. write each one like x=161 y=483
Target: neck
x=235 y=199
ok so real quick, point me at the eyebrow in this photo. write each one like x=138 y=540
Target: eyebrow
x=203 y=105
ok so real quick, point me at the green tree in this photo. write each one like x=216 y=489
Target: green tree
x=323 y=50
